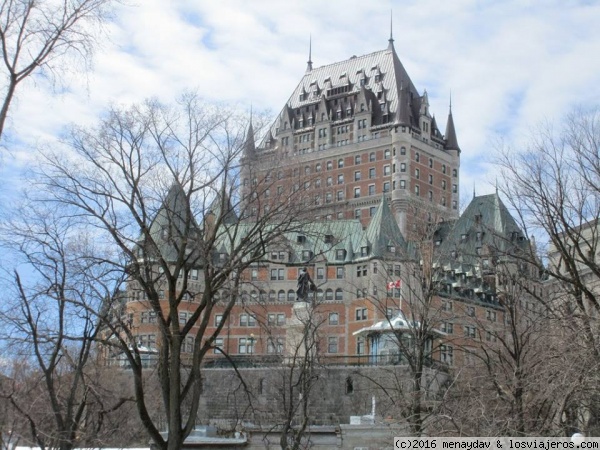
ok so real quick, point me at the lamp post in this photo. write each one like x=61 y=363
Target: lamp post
x=251 y=339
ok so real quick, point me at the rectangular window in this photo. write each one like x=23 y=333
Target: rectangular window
x=430 y=163
x=340 y=163
x=360 y=346
x=182 y=318
x=386 y=170
x=254 y=274
x=273 y=274
x=448 y=327
x=371 y=189
x=339 y=272
x=356 y=192
x=357 y=175
x=491 y=315
x=470 y=331
x=218 y=319
x=402 y=167
x=386 y=186
x=357 y=159
x=471 y=311
x=271 y=319
x=280 y=319
x=340 y=196
x=361 y=313
x=372 y=172
x=320 y=273
x=340 y=178
x=218 y=345
x=242 y=346
x=446 y=354
x=334 y=318
x=417 y=173
x=332 y=345
x=243 y=320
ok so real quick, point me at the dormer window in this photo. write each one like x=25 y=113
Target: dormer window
x=328 y=238
x=340 y=255
x=301 y=239
x=463 y=237
x=306 y=255
x=391 y=248
x=364 y=251
x=479 y=235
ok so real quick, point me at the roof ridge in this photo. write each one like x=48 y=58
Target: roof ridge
x=348 y=59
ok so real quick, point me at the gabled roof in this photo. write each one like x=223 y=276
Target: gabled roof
x=173 y=222
x=486 y=214
x=383 y=231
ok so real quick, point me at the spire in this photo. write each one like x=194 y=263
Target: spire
x=249 y=144
x=391 y=39
x=451 y=141
x=309 y=62
x=474 y=194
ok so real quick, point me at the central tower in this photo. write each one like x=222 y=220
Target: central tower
x=353 y=131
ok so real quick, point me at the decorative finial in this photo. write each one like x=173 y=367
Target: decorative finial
x=450 y=101
x=391 y=39
x=496 y=185
x=309 y=62
x=474 y=189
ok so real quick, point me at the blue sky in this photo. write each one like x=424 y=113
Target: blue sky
x=509 y=64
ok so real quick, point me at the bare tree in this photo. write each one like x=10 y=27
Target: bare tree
x=160 y=185
x=50 y=326
x=554 y=186
x=37 y=35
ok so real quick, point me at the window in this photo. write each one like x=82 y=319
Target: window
x=318 y=167
x=371 y=189
x=291 y=296
x=320 y=273
x=340 y=178
x=194 y=274
x=357 y=175
x=454 y=173
x=402 y=184
x=254 y=274
x=430 y=197
x=275 y=346
x=448 y=327
x=277 y=274
x=281 y=296
x=182 y=318
x=386 y=170
x=280 y=319
x=430 y=163
x=361 y=271
x=386 y=186
x=243 y=320
x=334 y=318
x=454 y=188
x=332 y=345
x=417 y=190
x=357 y=213
x=417 y=174
x=329 y=165
x=372 y=157
x=218 y=345
x=491 y=315
x=243 y=346
x=356 y=192
x=403 y=150
x=372 y=210
x=470 y=331
x=430 y=179
x=386 y=154
x=417 y=157
x=329 y=295
x=218 y=319
x=339 y=294
x=329 y=181
x=357 y=159
x=339 y=272
x=402 y=167
x=446 y=305
x=446 y=354
x=271 y=319
x=340 y=163
x=361 y=314
x=471 y=311
x=444 y=168
x=372 y=172
x=340 y=196
x=360 y=346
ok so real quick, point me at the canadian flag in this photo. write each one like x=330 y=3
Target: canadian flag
x=394 y=284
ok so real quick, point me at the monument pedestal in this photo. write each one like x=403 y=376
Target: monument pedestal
x=299 y=332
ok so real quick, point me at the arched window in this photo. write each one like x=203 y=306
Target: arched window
x=329 y=295
x=320 y=295
x=272 y=295
x=339 y=294
x=291 y=295
x=281 y=296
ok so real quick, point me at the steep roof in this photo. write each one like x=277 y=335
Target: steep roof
x=383 y=231
x=488 y=216
x=451 y=140
x=173 y=222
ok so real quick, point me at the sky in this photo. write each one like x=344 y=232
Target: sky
x=508 y=65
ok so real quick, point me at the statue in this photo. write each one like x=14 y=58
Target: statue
x=305 y=285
